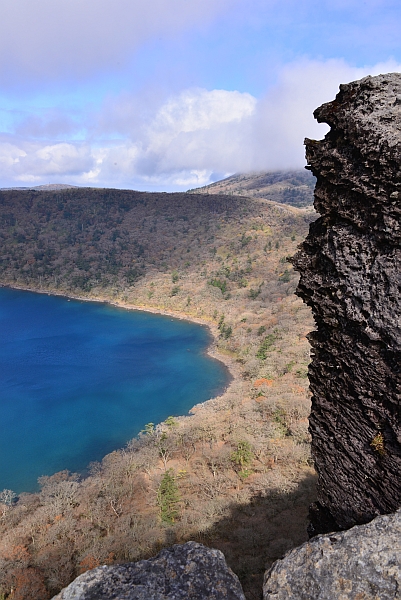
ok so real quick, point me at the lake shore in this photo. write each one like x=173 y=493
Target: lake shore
x=230 y=364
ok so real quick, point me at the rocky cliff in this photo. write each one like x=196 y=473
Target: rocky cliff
x=350 y=267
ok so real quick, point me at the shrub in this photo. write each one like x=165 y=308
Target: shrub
x=219 y=283
x=266 y=346
x=253 y=294
x=171 y=422
x=132 y=275
x=378 y=444
x=245 y=239
x=243 y=455
x=226 y=332
x=279 y=417
x=149 y=429
x=285 y=277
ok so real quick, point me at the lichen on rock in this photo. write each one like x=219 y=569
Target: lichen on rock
x=350 y=267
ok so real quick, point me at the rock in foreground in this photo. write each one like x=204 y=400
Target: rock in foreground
x=362 y=563
x=183 y=572
x=350 y=267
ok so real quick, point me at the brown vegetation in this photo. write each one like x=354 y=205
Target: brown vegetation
x=236 y=474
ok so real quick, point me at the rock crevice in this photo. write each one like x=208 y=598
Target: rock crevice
x=350 y=267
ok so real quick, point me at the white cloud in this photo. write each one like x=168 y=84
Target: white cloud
x=284 y=116
x=31 y=162
x=10 y=155
x=193 y=110
x=196 y=130
x=178 y=142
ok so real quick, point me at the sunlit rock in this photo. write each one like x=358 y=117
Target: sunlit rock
x=183 y=572
x=361 y=563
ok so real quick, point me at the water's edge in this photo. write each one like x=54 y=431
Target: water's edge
x=232 y=369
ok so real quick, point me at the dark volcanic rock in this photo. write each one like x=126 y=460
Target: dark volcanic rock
x=361 y=563
x=350 y=267
x=183 y=572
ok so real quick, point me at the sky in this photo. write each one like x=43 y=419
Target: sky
x=165 y=95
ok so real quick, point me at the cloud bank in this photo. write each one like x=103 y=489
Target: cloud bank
x=181 y=141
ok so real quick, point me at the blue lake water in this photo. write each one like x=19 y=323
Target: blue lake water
x=80 y=379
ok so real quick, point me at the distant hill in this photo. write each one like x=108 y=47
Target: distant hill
x=287 y=187
x=82 y=239
x=47 y=186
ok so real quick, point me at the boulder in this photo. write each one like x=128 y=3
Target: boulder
x=183 y=572
x=363 y=563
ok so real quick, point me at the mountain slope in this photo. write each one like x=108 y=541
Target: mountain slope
x=287 y=187
x=240 y=459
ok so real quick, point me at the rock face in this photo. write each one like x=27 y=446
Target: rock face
x=183 y=572
x=362 y=563
x=350 y=267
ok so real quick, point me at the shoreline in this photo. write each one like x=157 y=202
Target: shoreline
x=211 y=350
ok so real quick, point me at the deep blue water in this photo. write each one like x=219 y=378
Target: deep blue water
x=80 y=379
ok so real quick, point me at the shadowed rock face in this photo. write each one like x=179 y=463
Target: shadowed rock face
x=350 y=267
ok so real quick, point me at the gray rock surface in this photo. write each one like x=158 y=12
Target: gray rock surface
x=350 y=267
x=363 y=563
x=183 y=572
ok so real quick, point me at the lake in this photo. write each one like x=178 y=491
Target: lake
x=80 y=379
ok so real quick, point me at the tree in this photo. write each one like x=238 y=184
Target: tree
x=243 y=455
x=168 y=498
x=165 y=447
x=7 y=497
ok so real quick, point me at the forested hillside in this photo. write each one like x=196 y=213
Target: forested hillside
x=236 y=474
